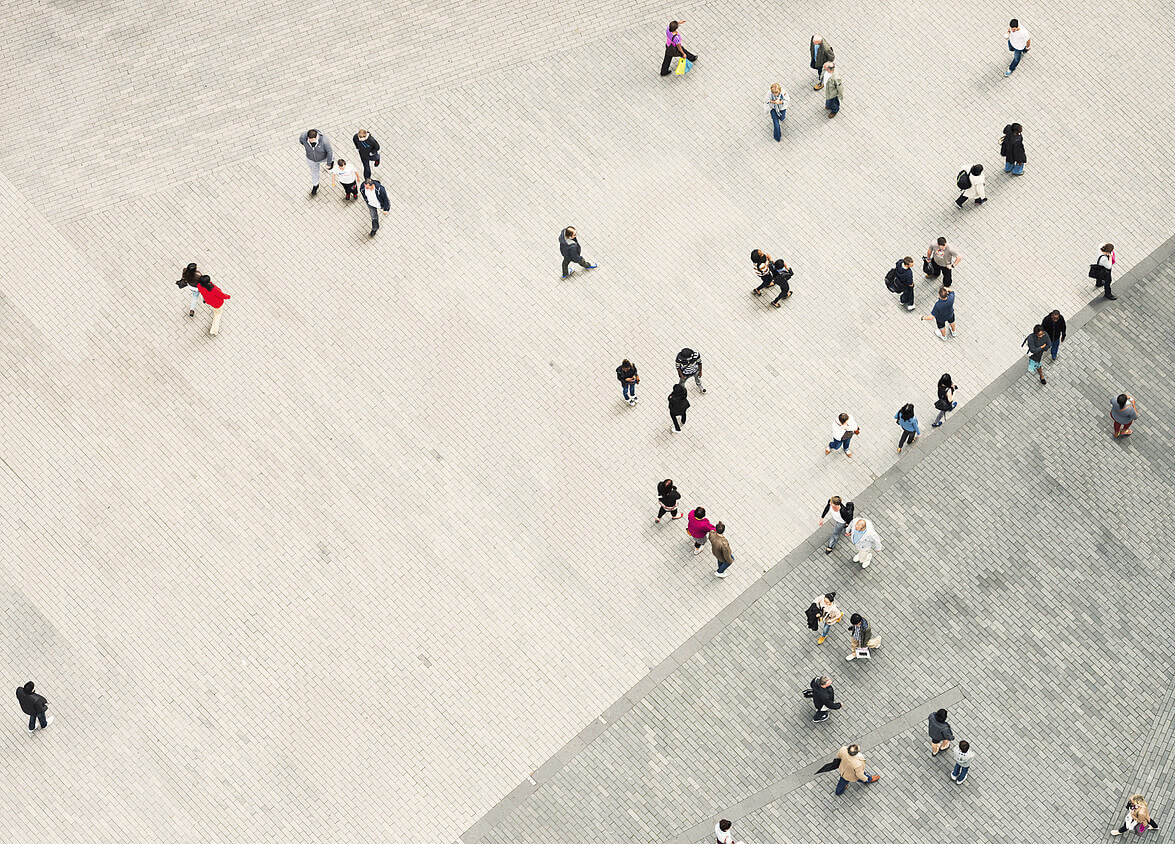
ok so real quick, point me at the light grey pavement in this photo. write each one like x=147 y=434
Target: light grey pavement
x=385 y=545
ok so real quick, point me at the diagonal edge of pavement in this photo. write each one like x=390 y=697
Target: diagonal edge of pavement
x=775 y=573
x=912 y=717
x=1160 y=745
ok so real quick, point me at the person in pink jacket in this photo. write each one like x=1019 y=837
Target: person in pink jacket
x=698 y=527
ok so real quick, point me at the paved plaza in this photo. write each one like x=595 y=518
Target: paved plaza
x=356 y=568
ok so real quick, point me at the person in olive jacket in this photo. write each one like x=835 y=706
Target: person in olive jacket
x=1012 y=149
x=33 y=705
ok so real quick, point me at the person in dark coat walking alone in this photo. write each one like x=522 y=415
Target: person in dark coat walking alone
x=33 y=705
x=570 y=250
x=945 y=402
x=1054 y=327
x=376 y=197
x=1012 y=149
x=823 y=698
x=678 y=405
x=626 y=375
x=903 y=281
x=667 y=498
x=1037 y=343
x=368 y=148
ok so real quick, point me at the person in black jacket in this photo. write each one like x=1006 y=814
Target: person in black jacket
x=667 y=497
x=842 y=517
x=823 y=698
x=903 y=281
x=376 y=197
x=1054 y=327
x=945 y=402
x=33 y=705
x=1012 y=149
x=626 y=375
x=571 y=252
x=678 y=405
x=368 y=148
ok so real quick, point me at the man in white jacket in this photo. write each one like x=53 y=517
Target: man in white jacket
x=975 y=191
x=865 y=540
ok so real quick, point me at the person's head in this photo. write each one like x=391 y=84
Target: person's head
x=1122 y=399
x=780 y=264
x=817 y=39
x=569 y=231
x=668 y=482
x=190 y=274
x=699 y=512
x=964 y=746
x=825 y=681
x=687 y=352
x=843 y=418
x=860 y=524
x=312 y=136
x=943 y=292
x=775 y=89
x=724 y=824
x=678 y=391
x=855 y=618
x=1014 y=24
x=369 y=183
x=907 y=411
x=1055 y=315
x=758 y=256
x=206 y=282
x=673 y=26
x=720 y=527
x=853 y=750
x=977 y=169
x=942 y=241
x=362 y=134
x=830 y=66
x=946 y=379
x=830 y=596
x=342 y=163
x=1017 y=128
x=835 y=501
x=907 y=261
x=28 y=687
x=941 y=716
x=1038 y=330
x=1108 y=248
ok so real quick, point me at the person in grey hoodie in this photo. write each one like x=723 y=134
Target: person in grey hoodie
x=317 y=151
x=1038 y=343
x=572 y=254
x=940 y=731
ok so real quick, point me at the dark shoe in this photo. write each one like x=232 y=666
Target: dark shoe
x=314 y=190
x=1043 y=382
x=935 y=424
x=372 y=233
x=820 y=716
x=591 y=266
x=1111 y=296
x=191 y=313
x=818 y=86
x=954 y=404
x=831 y=115
x=961 y=201
x=980 y=201
x=756 y=292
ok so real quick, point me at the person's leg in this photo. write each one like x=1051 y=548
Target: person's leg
x=313 y=165
x=1126 y=428
x=865 y=557
x=193 y=301
x=833 y=105
x=1056 y=346
x=41 y=718
x=698 y=381
x=946 y=276
x=962 y=772
x=366 y=169
x=906 y=296
x=824 y=627
x=676 y=426
x=722 y=567
x=846 y=443
x=765 y=282
x=1018 y=168
x=841 y=786
x=215 y=329
x=1015 y=58
x=935 y=270
x=670 y=52
x=32 y=723
x=838 y=530
x=691 y=57
x=775 y=124
x=942 y=414
x=1117 y=428
x=784 y=292
x=628 y=390
x=1007 y=165
x=961 y=200
x=566 y=266
x=661 y=511
x=906 y=437
x=1108 y=294
x=374 y=218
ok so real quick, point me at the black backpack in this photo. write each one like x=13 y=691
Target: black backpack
x=963 y=180
x=891 y=280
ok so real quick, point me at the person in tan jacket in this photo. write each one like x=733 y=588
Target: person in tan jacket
x=852 y=768
x=721 y=548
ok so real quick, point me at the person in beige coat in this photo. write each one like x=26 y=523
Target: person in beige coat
x=852 y=768
x=721 y=548
x=834 y=89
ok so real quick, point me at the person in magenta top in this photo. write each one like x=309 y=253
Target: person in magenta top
x=698 y=527
x=673 y=47
x=214 y=298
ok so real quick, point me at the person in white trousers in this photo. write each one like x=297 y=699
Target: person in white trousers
x=865 y=540
x=976 y=190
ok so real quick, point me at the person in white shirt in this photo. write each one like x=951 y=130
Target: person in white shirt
x=830 y=614
x=776 y=105
x=1018 y=42
x=722 y=833
x=842 y=434
x=866 y=541
x=376 y=196
x=976 y=190
x=347 y=177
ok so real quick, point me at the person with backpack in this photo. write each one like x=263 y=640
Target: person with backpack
x=1037 y=343
x=900 y=281
x=842 y=516
x=971 y=185
x=667 y=498
x=781 y=274
x=945 y=402
x=626 y=375
x=909 y=424
x=1012 y=149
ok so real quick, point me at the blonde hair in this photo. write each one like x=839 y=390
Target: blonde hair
x=775 y=89
x=1140 y=814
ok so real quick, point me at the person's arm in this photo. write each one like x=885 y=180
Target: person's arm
x=374 y=144
x=1027 y=44
x=1064 y=330
x=699 y=369
x=958 y=260
x=929 y=252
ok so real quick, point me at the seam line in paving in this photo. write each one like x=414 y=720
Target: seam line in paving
x=780 y=570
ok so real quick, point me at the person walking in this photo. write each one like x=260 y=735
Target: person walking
x=33 y=705
x=973 y=189
x=723 y=833
x=943 y=313
x=317 y=151
x=626 y=375
x=347 y=177
x=834 y=89
x=368 y=148
x=1054 y=327
x=689 y=365
x=776 y=105
x=376 y=197
x=1103 y=269
x=667 y=498
x=678 y=405
x=781 y=273
x=1037 y=343
x=841 y=513
x=852 y=768
x=214 y=298
x=862 y=635
x=865 y=540
x=1018 y=43
x=190 y=281
x=1012 y=149
x=909 y=424
x=900 y=281
x=842 y=434
x=720 y=547
x=963 y=756
x=570 y=249
x=827 y=614
x=1138 y=817
x=762 y=262
x=823 y=698
x=674 y=47
x=1122 y=414
x=698 y=527
x=940 y=731
x=941 y=259
x=945 y=402
x=820 y=53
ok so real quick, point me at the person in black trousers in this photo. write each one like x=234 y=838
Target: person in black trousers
x=33 y=705
x=678 y=405
x=1054 y=327
x=368 y=148
x=667 y=496
x=570 y=250
x=1105 y=273
x=904 y=281
x=781 y=273
x=823 y=698
x=673 y=47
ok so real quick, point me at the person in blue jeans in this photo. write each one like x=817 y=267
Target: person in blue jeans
x=1018 y=43
x=1012 y=149
x=776 y=105
x=626 y=375
x=852 y=768
x=963 y=754
x=1054 y=327
x=909 y=423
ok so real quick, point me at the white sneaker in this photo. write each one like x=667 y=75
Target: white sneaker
x=865 y=564
x=721 y=573
x=850 y=657
x=48 y=720
x=909 y=307
x=698 y=550
x=857 y=558
x=954 y=333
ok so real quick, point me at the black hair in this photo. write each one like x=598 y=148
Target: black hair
x=830 y=596
x=673 y=26
x=1017 y=128
x=700 y=512
x=312 y=134
x=941 y=716
x=206 y=282
x=189 y=274
x=907 y=411
x=855 y=618
x=1122 y=399
x=720 y=527
x=1013 y=23
x=28 y=687
x=779 y=264
x=1055 y=313
x=964 y=745
x=977 y=169
x=724 y=824
x=567 y=231
x=946 y=379
x=679 y=391
x=758 y=256
x=1037 y=327
x=942 y=241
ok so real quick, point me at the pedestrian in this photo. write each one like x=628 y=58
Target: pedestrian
x=776 y=105
x=909 y=424
x=826 y=614
x=317 y=151
x=762 y=263
x=570 y=249
x=347 y=177
x=973 y=187
x=1138 y=817
x=667 y=498
x=689 y=365
x=722 y=833
x=820 y=53
x=842 y=434
x=189 y=280
x=842 y=514
x=943 y=313
x=1122 y=414
x=1037 y=343
x=852 y=768
x=376 y=197
x=865 y=540
x=626 y=375
x=1012 y=149
x=941 y=259
x=1102 y=271
x=1018 y=43
x=33 y=705
x=698 y=527
x=834 y=89
x=1054 y=327
x=674 y=47
x=963 y=754
x=823 y=698
x=678 y=405
x=945 y=402
x=862 y=634
x=900 y=281
x=940 y=731
x=368 y=148
x=214 y=298
x=781 y=273
x=720 y=546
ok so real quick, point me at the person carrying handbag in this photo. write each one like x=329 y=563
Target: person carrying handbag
x=946 y=399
